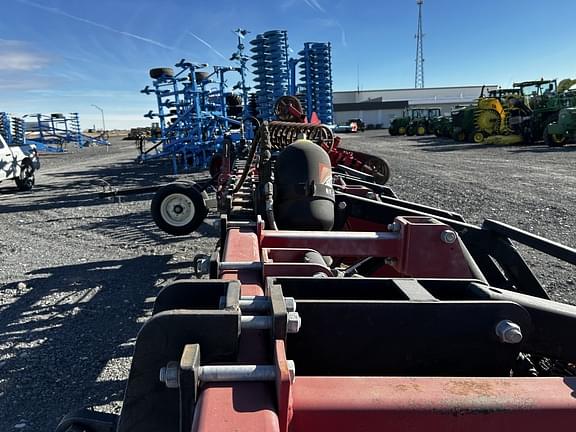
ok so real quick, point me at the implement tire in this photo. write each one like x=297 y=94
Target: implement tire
x=554 y=140
x=161 y=73
x=178 y=208
x=26 y=179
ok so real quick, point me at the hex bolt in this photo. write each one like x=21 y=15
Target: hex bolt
x=509 y=332
x=390 y=261
x=394 y=227
x=448 y=236
x=169 y=375
x=262 y=322
x=224 y=373
x=230 y=373
x=240 y=265
x=294 y=322
x=261 y=303
x=290 y=304
x=291 y=370
x=255 y=322
x=342 y=205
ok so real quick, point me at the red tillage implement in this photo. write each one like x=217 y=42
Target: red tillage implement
x=332 y=305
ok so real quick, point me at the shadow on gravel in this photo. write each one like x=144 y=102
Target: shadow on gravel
x=450 y=146
x=447 y=145
x=382 y=136
x=81 y=188
x=139 y=229
x=63 y=337
x=546 y=149
x=122 y=174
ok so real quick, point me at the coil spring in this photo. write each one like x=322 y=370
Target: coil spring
x=271 y=69
x=317 y=79
x=282 y=134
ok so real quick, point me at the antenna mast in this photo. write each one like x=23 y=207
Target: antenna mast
x=419 y=76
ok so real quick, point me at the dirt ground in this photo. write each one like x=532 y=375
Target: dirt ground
x=78 y=274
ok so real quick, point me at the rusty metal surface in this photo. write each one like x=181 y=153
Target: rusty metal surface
x=434 y=404
x=415 y=250
x=249 y=407
x=242 y=246
x=246 y=407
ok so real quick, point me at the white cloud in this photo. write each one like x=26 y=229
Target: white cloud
x=19 y=56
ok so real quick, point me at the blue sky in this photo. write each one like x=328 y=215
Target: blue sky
x=65 y=55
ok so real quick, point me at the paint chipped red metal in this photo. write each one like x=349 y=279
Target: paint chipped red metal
x=245 y=407
x=395 y=404
x=242 y=406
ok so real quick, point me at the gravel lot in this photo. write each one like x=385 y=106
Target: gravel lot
x=78 y=274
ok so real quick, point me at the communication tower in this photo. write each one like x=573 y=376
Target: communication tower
x=419 y=76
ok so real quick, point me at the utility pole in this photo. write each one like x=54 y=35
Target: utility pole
x=419 y=76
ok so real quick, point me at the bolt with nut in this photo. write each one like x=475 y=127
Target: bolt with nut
x=509 y=332
x=448 y=236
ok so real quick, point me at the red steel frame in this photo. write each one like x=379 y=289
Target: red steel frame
x=365 y=403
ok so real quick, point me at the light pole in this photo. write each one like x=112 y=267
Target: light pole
x=103 y=122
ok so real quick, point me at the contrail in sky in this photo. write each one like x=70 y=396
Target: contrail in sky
x=207 y=44
x=60 y=12
x=329 y=22
x=315 y=5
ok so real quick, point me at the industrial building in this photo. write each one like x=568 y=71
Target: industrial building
x=379 y=107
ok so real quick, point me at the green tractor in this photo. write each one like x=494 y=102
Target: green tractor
x=421 y=123
x=462 y=120
x=441 y=126
x=399 y=125
x=558 y=133
x=540 y=109
x=415 y=121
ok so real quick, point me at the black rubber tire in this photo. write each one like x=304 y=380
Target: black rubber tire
x=381 y=170
x=159 y=208
x=200 y=76
x=26 y=179
x=550 y=141
x=161 y=72
x=474 y=137
x=89 y=421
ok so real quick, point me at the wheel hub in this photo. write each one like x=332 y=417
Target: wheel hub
x=177 y=209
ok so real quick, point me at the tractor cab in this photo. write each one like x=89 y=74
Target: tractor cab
x=417 y=113
x=537 y=93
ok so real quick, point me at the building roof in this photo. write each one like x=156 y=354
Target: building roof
x=414 y=96
x=411 y=89
x=371 y=105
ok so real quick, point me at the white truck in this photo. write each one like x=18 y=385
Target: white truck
x=18 y=163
